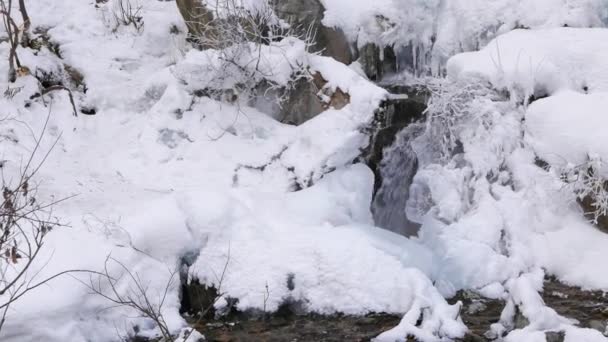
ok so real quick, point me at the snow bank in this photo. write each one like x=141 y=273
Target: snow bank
x=298 y=234
x=539 y=62
x=491 y=202
x=567 y=128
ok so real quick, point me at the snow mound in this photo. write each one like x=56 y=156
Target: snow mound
x=539 y=62
x=297 y=233
x=568 y=127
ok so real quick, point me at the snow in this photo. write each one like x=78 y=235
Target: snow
x=539 y=62
x=492 y=202
x=567 y=128
x=300 y=241
x=431 y=32
x=161 y=177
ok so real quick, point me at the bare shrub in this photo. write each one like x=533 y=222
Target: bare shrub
x=47 y=90
x=12 y=29
x=127 y=289
x=240 y=40
x=126 y=13
x=25 y=223
x=16 y=34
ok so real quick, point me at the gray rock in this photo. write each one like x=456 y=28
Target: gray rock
x=598 y=325
x=307 y=99
x=305 y=14
x=555 y=336
x=172 y=138
x=520 y=321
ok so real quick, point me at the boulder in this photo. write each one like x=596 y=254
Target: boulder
x=308 y=98
x=306 y=16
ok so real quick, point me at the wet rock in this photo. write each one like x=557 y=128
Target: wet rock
x=587 y=307
x=588 y=205
x=478 y=314
x=470 y=337
x=520 y=321
x=311 y=327
x=396 y=113
x=198 y=299
x=555 y=336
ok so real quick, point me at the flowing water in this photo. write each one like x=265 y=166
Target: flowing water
x=397 y=170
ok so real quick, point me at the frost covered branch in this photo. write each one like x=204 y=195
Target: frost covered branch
x=589 y=186
x=451 y=105
x=126 y=13
x=245 y=48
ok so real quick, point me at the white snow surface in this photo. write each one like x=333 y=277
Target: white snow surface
x=539 y=62
x=159 y=176
x=492 y=202
x=565 y=129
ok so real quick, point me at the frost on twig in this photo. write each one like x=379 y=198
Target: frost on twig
x=248 y=50
x=127 y=13
x=451 y=106
x=591 y=189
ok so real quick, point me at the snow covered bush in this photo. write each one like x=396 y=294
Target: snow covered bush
x=245 y=49
x=452 y=106
x=127 y=13
x=590 y=188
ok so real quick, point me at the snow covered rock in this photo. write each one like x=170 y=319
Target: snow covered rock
x=305 y=17
x=568 y=127
x=425 y=33
x=539 y=62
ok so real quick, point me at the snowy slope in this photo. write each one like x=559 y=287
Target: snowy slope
x=160 y=176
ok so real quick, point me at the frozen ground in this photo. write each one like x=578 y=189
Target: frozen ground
x=159 y=177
